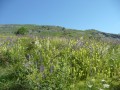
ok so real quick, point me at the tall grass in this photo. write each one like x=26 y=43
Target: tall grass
x=32 y=63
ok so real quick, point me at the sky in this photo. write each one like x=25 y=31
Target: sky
x=102 y=15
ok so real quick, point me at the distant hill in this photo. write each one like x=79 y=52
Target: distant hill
x=46 y=30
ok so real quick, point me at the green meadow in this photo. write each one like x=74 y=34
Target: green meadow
x=55 y=58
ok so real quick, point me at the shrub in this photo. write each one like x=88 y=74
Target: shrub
x=22 y=31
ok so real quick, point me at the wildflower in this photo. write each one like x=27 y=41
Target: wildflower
x=103 y=81
x=90 y=86
x=37 y=43
x=106 y=85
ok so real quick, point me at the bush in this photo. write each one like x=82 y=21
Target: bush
x=22 y=31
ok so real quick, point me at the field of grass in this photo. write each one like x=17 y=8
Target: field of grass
x=58 y=63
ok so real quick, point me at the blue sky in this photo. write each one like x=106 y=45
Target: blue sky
x=103 y=15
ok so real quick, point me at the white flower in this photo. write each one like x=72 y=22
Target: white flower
x=37 y=43
x=103 y=80
x=106 y=85
x=90 y=86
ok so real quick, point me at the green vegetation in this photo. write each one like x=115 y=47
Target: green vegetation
x=44 y=30
x=73 y=61
x=21 y=31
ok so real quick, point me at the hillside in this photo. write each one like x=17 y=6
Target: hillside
x=45 y=30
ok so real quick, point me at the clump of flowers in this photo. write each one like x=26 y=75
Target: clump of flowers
x=106 y=85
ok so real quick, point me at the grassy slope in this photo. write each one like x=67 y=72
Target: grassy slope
x=45 y=30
